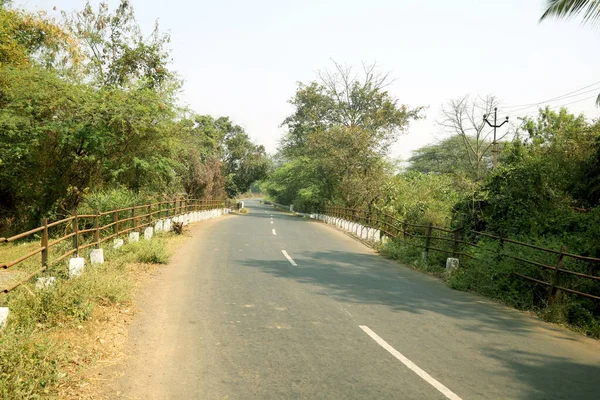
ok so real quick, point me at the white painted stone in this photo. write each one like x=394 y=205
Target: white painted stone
x=118 y=243
x=167 y=225
x=291 y=207
x=451 y=265
x=158 y=226
x=45 y=282
x=3 y=317
x=97 y=256
x=134 y=237
x=76 y=266
x=377 y=235
x=148 y=232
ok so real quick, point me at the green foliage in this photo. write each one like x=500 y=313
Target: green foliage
x=570 y=8
x=108 y=200
x=337 y=141
x=104 y=117
x=148 y=251
x=35 y=358
x=423 y=198
x=31 y=364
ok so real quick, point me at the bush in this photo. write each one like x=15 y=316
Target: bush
x=33 y=359
x=31 y=364
x=148 y=251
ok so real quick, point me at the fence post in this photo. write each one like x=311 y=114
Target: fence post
x=404 y=226
x=45 y=244
x=455 y=243
x=76 y=236
x=116 y=221
x=427 y=241
x=150 y=214
x=133 y=217
x=97 y=228
x=559 y=265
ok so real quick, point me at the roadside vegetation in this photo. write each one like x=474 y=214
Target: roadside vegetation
x=545 y=190
x=54 y=333
x=89 y=104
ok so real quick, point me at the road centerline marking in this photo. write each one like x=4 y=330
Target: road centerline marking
x=274 y=233
x=271 y=221
x=411 y=365
x=289 y=258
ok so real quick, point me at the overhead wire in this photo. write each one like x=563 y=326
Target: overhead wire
x=554 y=98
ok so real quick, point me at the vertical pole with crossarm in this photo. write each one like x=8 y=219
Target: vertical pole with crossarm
x=495 y=143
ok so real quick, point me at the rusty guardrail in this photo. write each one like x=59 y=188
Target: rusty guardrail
x=93 y=229
x=398 y=229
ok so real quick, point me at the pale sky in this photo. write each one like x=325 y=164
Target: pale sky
x=243 y=58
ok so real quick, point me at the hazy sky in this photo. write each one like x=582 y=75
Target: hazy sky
x=243 y=58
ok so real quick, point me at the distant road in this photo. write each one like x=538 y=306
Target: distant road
x=272 y=306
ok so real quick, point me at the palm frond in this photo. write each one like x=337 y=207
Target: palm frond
x=571 y=8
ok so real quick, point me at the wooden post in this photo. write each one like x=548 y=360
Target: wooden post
x=150 y=214
x=404 y=226
x=455 y=243
x=45 y=243
x=76 y=236
x=428 y=241
x=116 y=221
x=97 y=229
x=560 y=263
x=133 y=216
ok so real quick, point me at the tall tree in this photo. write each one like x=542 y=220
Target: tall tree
x=343 y=125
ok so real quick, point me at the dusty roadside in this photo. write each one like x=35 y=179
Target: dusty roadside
x=109 y=339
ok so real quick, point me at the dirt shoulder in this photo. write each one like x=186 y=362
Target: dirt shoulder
x=114 y=334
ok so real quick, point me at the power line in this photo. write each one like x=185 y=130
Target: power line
x=554 y=98
x=564 y=105
x=562 y=98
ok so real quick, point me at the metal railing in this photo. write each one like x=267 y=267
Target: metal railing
x=429 y=237
x=91 y=230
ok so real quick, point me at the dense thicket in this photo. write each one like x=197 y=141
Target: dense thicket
x=90 y=104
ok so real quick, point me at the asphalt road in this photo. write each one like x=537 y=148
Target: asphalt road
x=233 y=318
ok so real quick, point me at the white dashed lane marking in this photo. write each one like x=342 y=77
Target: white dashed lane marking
x=289 y=258
x=411 y=365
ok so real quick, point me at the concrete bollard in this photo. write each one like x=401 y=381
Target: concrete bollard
x=97 y=256
x=376 y=235
x=134 y=237
x=76 y=266
x=451 y=266
x=158 y=226
x=45 y=282
x=167 y=225
x=3 y=317
x=118 y=243
x=148 y=232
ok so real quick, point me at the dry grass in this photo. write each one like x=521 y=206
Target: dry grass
x=57 y=338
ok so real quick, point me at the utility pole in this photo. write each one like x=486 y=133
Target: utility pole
x=494 y=143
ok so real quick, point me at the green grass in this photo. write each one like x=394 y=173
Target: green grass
x=33 y=360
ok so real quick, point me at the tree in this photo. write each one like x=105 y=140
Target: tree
x=117 y=52
x=464 y=118
x=571 y=8
x=343 y=124
x=446 y=157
